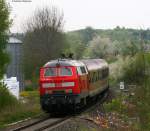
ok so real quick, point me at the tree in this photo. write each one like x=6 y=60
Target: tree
x=76 y=44
x=98 y=47
x=88 y=34
x=79 y=50
x=129 y=48
x=4 y=25
x=44 y=39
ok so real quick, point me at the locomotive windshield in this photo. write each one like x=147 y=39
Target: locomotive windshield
x=50 y=72
x=65 y=71
x=58 y=71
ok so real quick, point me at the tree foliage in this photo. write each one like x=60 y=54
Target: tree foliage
x=44 y=39
x=141 y=74
x=123 y=41
x=4 y=25
x=88 y=34
x=76 y=46
x=98 y=47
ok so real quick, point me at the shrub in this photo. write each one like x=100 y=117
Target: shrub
x=116 y=70
x=29 y=88
x=12 y=110
x=6 y=99
x=128 y=69
x=116 y=105
x=133 y=71
x=24 y=94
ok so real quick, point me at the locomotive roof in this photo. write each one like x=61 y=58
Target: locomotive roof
x=63 y=62
x=94 y=64
x=91 y=64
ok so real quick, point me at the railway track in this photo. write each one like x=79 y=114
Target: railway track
x=49 y=123
x=43 y=124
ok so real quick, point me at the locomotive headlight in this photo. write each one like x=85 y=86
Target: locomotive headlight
x=67 y=84
x=46 y=85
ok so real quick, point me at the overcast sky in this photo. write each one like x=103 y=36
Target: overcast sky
x=100 y=14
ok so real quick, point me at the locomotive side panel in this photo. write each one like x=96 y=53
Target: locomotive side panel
x=83 y=81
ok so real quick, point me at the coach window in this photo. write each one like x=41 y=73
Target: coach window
x=90 y=78
x=97 y=76
x=105 y=73
x=93 y=77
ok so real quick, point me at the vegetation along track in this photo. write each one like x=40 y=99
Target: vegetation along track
x=50 y=123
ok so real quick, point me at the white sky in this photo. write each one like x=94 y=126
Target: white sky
x=100 y=14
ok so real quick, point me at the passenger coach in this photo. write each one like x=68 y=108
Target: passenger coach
x=72 y=82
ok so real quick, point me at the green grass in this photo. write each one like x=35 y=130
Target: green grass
x=13 y=110
x=6 y=99
x=16 y=114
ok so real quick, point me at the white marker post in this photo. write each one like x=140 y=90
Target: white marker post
x=121 y=85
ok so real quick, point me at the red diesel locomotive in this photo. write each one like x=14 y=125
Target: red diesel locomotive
x=72 y=82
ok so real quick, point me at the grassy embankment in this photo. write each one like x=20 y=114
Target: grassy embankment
x=12 y=110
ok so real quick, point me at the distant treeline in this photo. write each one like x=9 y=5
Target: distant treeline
x=101 y=43
x=118 y=33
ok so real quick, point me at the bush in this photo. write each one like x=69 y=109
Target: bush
x=29 y=88
x=12 y=110
x=116 y=105
x=116 y=70
x=138 y=71
x=6 y=99
x=133 y=71
x=24 y=94
x=128 y=69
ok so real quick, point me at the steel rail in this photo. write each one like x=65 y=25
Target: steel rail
x=32 y=124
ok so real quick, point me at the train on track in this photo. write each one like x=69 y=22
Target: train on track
x=67 y=82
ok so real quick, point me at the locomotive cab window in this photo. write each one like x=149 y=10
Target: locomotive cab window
x=81 y=70
x=50 y=72
x=65 y=71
